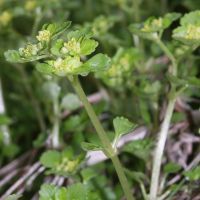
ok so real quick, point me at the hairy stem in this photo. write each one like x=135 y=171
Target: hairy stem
x=103 y=137
x=164 y=130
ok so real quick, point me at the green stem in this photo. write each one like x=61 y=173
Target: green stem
x=160 y=149
x=170 y=55
x=103 y=137
x=164 y=130
x=4 y=128
x=56 y=125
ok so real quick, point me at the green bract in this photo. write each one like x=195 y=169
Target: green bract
x=64 y=57
x=152 y=26
x=189 y=31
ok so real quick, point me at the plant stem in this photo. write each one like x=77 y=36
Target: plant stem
x=56 y=126
x=164 y=130
x=160 y=149
x=170 y=55
x=103 y=137
x=4 y=128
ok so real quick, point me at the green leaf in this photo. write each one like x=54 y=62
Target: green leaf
x=70 y=102
x=47 y=192
x=171 y=168
x=56 y=47
x=56 y=28
x=44 y=68
x=189 y=31
x=153 y=25
x=77 y=192
x=191 y=18
x=13 y=56
x=50 y=158
x=90 y=146
x=140 y=148
x=13 y=197
x=61 y=194
x=88 y=174
x=194 y=174
x=122 y=126
x=88 y=46
x=137 y=176
x=99 y=62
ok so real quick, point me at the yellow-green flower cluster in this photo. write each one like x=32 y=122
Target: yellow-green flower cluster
x=72 y=47
x=193 y=32
x=44 y=36
x=66 y=66
x=118 y=70
x=67 y=165
x=155 y=23
x=5 y=18
x=29 y=50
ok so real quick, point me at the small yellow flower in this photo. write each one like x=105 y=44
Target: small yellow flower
x=71 y=166
x=193 y=32
x=72 y=46
x=66 y=66
x=29 y=50
x=44 y=36
x=30 y=5
x=5 y=18
x=157 y=22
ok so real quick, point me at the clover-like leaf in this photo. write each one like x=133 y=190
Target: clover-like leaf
x=50 y=158
x=122 y=126
x=13 y=56
x=44 y=68
x=48 y=192
x=77 y=191
x=97 y=63
x=139 y=148
x=88 y=46
x=191 y=18
x=88 y=174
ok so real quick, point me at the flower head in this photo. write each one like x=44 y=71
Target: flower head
x=72 y=47
x=66 y=66
x=44 y=36
x=193 y=32
x=29 y=50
